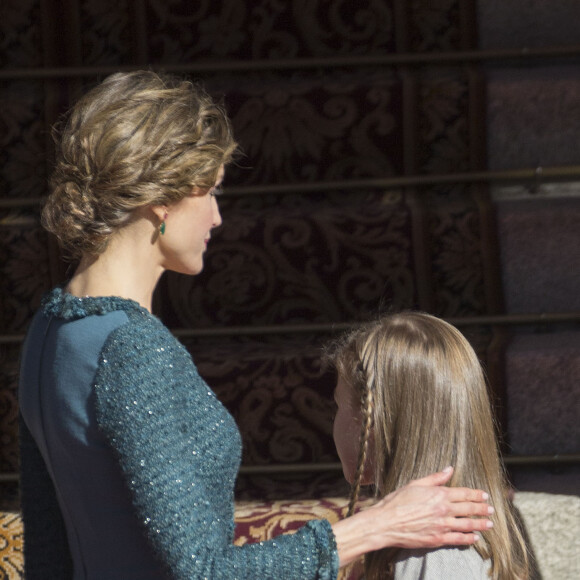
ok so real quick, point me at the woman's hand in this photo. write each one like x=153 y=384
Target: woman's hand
x=423 y=514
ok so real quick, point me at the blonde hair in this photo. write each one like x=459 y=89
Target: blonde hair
x=134 y=140
x=424 y=406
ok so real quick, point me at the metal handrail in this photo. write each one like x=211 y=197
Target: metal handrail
x=441 y=58
x=536 y=176
x=509 y=461
x=334 y=327
x=331 y=328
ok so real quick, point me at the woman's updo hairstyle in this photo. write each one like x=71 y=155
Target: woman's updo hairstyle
x=136 y=139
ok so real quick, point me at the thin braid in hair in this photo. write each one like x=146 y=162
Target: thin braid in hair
x=366 y=408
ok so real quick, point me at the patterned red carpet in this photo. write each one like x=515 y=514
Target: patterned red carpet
x=11 y=546
x=255 y=521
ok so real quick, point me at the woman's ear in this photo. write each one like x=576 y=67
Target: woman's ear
x=157 y=214
x=160 y=211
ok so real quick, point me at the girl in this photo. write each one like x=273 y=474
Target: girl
x=412 y=399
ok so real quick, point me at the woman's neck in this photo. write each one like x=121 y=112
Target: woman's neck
x=126 y=268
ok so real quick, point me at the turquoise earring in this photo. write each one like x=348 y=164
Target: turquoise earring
x=162 y=225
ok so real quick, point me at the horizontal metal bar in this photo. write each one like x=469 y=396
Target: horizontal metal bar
x=272 y=469
x=21 y=202
x=11 y=338
x=389 y=59
x=335 y=327
x=282 y=468
x=537 y=176
x=244 y=470
x=531 y=460
x=515 y=319
x=263 y=330
x=509 y=460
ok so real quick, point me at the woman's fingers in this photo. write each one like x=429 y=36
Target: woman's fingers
x=458 y=524
x=470 y=508
x=433 y=515
x=460 y=532
x=466 y=494
x=457 y=539
x=440 y=478
x=455 y=494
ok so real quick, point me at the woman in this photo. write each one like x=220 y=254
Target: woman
x=411 y=399
x=128 y=459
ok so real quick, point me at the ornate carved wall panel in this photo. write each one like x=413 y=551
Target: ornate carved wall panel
x=296 y=260
x=302 y=126
x=339 y=255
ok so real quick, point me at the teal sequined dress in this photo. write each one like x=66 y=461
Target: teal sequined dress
x=128 y=460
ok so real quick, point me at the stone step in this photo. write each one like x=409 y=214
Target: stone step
x=533 y=117
x=539 y=243
x=543 y=392
x=527 y=23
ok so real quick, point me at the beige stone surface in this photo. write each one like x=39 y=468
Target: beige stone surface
x=552 y=523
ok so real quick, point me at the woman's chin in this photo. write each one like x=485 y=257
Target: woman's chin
x=187 y=269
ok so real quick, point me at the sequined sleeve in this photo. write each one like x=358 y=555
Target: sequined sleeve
x=179 y=450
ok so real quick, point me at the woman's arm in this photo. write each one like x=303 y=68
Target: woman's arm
x=423 y=514
x=178 y=450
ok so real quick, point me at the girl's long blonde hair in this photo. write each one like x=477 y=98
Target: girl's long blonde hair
x=424 y=405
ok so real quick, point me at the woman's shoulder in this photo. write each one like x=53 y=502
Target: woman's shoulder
x=459 y=563
x=122 y=327
x=96 y=310
x=61 y=305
